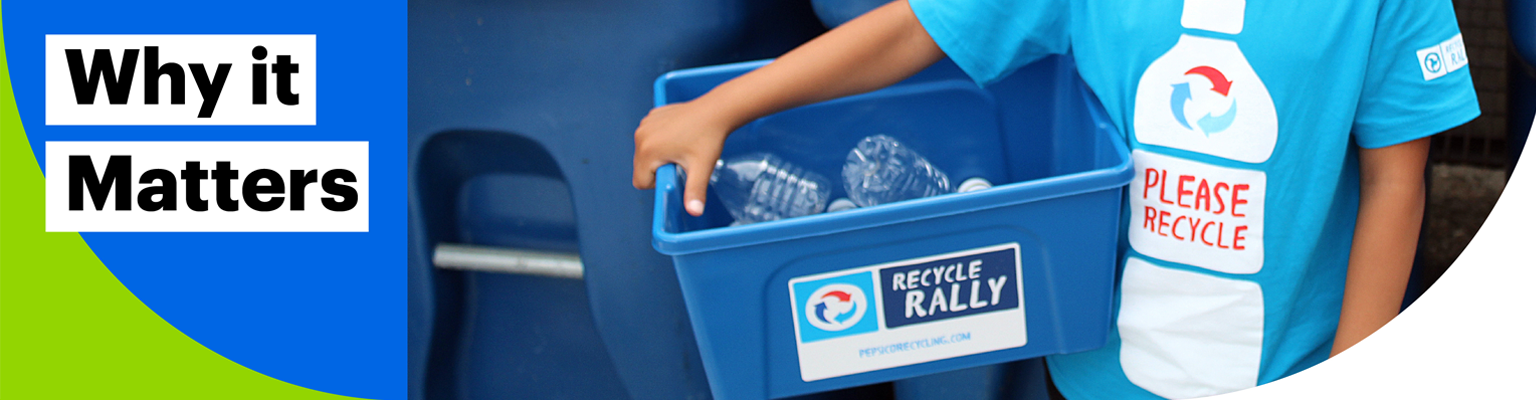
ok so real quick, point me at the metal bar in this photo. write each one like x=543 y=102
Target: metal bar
x=507 y=260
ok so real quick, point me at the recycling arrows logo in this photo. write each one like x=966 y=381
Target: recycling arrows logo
x=1173 y=108
x=836 y=307
x=1210 y=123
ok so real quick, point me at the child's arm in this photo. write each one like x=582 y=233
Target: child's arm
x=1386 y=233
x=880 y=48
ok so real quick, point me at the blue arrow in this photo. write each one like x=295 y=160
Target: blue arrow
x=1180 y=95
x=821 y=312
x=843 y=318
x=1212 y=124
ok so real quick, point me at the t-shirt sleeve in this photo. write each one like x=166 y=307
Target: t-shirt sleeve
x=1417 y=81
x=989 y=39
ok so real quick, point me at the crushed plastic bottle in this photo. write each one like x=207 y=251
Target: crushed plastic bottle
x=759 y=187
x=881 y=170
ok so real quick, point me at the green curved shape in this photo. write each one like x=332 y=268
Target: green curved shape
x=70 y=330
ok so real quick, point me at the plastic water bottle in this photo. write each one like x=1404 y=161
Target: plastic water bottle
x=758 y=187
x=882 y=170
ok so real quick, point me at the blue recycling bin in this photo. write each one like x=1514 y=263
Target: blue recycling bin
x=835 y=300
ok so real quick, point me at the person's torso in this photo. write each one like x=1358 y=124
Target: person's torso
x=1239 y=221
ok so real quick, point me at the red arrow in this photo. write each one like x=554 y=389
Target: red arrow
x=1219 y=82
x=839 y=295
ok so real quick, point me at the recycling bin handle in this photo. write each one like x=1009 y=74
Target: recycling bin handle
x=669 y=200
x=507 y=260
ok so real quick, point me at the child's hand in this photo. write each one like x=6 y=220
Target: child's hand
x=686 y=134
x=877 y=49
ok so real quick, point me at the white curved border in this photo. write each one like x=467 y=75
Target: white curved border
x=1470 y=336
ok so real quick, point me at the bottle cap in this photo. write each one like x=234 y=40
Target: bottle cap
x=1223 y=16
x=974 y=184
x=841 y=204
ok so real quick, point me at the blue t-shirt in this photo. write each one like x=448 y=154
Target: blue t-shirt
x=1243 y=120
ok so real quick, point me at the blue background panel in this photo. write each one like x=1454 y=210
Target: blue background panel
x=320 y=310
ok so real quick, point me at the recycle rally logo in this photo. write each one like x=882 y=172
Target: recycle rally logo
x=836 y=307
x=1210 y=123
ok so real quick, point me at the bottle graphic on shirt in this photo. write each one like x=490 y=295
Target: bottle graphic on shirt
x=1202 y=95
x=1189 y=333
